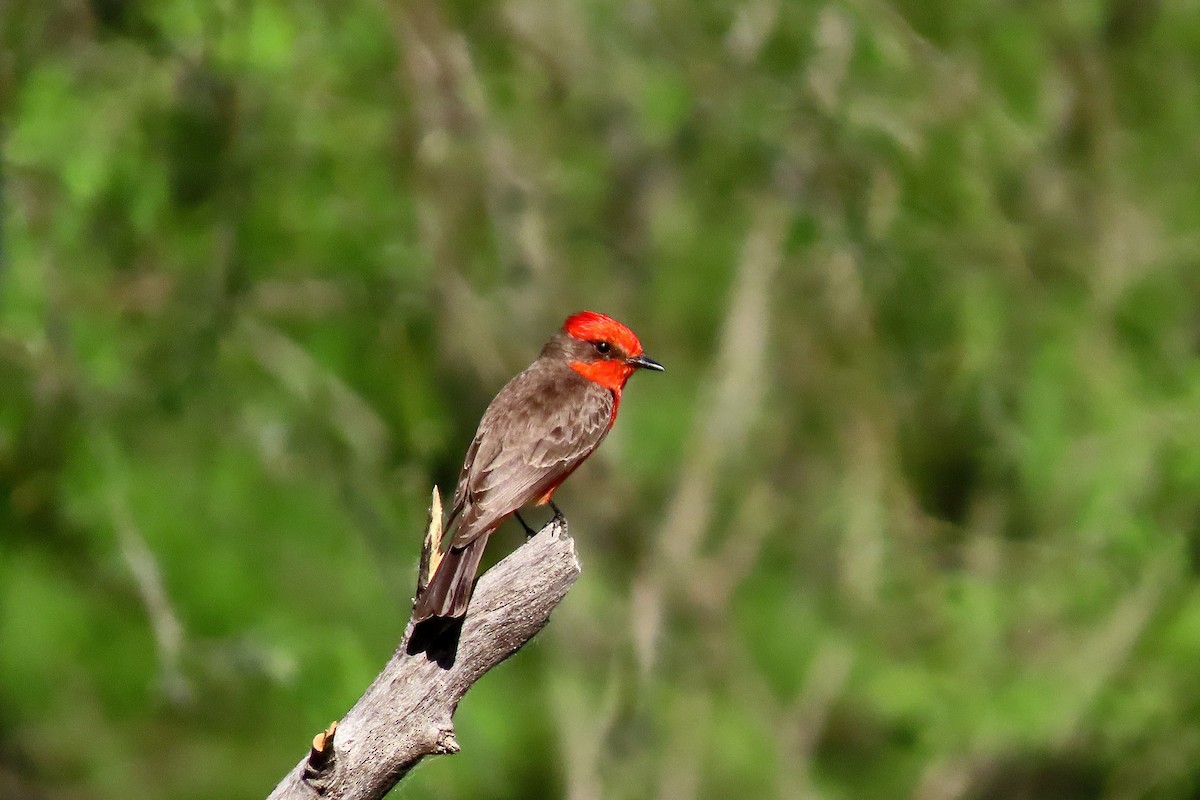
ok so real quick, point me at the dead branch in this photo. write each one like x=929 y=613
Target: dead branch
x=407 y=712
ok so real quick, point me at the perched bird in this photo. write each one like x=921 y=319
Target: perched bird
x=542 y=425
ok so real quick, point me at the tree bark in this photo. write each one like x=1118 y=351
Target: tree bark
x=407 y=712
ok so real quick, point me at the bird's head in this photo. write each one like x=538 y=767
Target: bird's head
x=603 y=350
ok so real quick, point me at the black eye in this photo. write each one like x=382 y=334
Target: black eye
x=603 y=348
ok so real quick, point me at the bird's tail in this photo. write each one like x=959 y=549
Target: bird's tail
x=449 y=590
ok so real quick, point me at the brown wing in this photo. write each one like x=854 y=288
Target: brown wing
x=538 y=429
x=460 y=491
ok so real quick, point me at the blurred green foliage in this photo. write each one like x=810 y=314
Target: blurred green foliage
x=915 y=511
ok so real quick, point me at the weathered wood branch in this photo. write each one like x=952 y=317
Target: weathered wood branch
x=407 y=712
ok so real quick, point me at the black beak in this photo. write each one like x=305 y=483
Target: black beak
x=645 y=362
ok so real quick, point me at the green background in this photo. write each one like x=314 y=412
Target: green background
x=914 y=512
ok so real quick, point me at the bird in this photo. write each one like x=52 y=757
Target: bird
x=538 y=429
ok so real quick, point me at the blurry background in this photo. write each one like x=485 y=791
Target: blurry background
x=914 y=512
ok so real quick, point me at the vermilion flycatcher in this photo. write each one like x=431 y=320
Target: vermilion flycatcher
x=541 y=426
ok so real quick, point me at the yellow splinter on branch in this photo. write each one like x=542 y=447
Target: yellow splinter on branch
x=431 y=553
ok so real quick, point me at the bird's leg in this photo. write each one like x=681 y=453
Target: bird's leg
x=558 y=515
x=529 y=532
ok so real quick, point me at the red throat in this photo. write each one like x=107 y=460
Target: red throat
x=612 y=375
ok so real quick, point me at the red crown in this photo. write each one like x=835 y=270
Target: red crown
x=593 y=327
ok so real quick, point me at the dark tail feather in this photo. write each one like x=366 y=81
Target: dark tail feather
x=449 y=590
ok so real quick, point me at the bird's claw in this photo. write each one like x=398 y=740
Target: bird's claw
x=529 y=532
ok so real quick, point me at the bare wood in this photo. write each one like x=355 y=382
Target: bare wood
x=407 y=712
x=431 y=551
